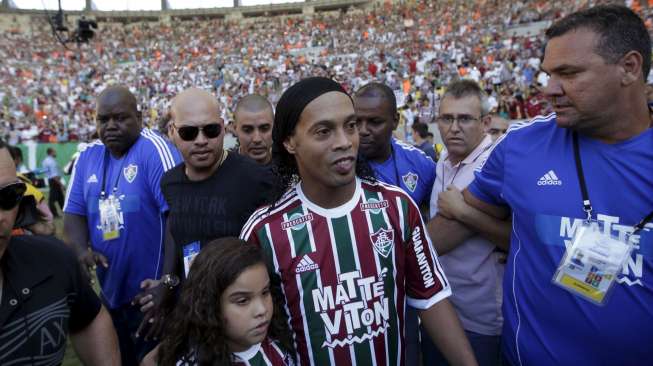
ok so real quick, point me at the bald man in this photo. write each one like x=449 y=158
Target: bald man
x=114 y=202
x=210 y=195
x=253 y=121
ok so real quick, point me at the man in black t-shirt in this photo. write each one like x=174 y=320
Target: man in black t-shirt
x=43 y=294
x=210 y=195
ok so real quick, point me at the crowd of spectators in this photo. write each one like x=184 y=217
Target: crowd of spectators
x=47 y=91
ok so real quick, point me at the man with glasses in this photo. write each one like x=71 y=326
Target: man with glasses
x=210 y=195
x=473 y=263
x=115 y=203
x=43 y=293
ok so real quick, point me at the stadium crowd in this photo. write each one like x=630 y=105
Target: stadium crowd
x=47 y=90
x=322 y=238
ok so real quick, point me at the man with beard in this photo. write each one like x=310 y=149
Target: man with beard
x=348 y=251
x=254 y=118
x=210 y=195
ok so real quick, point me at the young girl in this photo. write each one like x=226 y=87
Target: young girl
x=225 y=314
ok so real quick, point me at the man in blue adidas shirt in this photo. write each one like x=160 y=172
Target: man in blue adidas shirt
x=115 y=204
x=598 y=60
x=393 y=162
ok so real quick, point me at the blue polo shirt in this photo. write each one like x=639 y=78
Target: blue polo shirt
x=137 y=253
x=408 y=168
x=532 y=171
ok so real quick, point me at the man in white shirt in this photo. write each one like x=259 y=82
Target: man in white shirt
x=473 y=263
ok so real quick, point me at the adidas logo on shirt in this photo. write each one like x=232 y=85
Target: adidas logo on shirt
x=92 y=179
x=549 y=179
x=305 y=265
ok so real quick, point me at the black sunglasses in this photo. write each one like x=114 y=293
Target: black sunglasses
x=11 y=194
x=189 y=133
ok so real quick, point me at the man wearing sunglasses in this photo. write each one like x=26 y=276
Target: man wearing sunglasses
x=210 y=195
x=473 y=264
x=115 y=204
x=43 y=294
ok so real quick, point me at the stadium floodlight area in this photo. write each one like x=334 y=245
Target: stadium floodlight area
x=199 y=4
x=266 y=2
x=136 y=5
x=51 y=4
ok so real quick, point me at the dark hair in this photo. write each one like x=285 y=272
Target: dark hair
x=49 y=150
x=620 y=31
x=421 y=129
x=465 y=88
x=379 y=90
x=164 y=123
x=289 y=109
x=253 y=103
x=195 y=327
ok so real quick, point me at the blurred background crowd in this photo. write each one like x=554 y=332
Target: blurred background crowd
x=47 y=91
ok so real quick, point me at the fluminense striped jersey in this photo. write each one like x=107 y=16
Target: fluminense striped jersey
x=346 y=273
x=267 y=353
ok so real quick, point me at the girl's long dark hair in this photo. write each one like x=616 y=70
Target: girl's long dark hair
x=195 y=329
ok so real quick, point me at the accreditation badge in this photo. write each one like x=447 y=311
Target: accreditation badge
x=591 y=263
x=190 y=252
x=110 y=217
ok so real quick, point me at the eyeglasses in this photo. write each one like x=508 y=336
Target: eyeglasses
x=11 y=194
x=189 y=133
x=464 y=120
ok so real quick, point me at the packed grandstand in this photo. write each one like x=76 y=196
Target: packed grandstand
x=416 y=47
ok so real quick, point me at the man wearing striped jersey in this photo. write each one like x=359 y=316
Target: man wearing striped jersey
x=347 y=251
x=118 y=179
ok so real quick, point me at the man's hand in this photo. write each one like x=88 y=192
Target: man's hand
x=151 y=302
x=451 y=203
x=89 y=259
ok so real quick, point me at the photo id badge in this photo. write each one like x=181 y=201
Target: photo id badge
x=190 y=252
x=110 y=217
x=591 y=263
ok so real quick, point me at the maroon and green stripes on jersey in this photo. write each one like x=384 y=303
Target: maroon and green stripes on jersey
x=347 y=272
x=266 y=353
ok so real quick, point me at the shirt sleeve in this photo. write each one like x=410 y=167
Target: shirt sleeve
x=489 y=177
x=432 y=173
x=426 y=283
x=164 y=158
x=84 y=304
x=75 y=201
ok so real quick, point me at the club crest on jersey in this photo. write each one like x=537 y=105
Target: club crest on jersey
x=383 y=241
x=130 y=172
x=296 y=221
x=374 y=205
x=410 y=180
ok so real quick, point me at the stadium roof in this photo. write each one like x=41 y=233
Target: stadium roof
x=109 y=5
